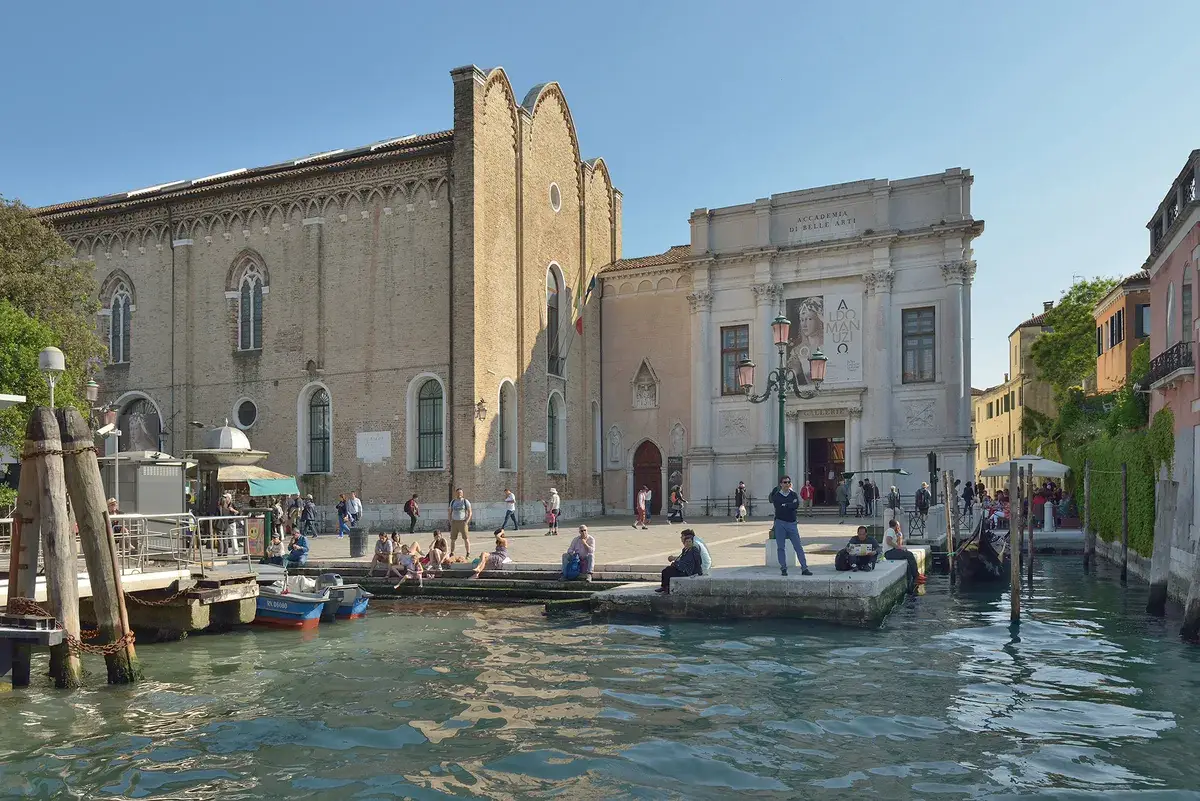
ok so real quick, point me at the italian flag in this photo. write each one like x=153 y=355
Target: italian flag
x=582 y=293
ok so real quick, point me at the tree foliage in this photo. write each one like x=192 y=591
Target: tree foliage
x=48 y=299
x=1065 y=355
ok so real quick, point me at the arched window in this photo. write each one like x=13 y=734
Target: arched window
x=554 y=364
x=120 y=325
x=507 y=420
x=429 y=425
x=1169 y=318
x=556 y=440
x=320 y=423
x=250 y=309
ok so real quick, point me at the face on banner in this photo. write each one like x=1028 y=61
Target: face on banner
x=833 y=324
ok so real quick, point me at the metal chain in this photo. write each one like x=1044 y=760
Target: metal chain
x=162 y=602
x=76 y=645
x=50 y=452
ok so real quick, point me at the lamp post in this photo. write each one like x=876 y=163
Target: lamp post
x=53 y=364
x=782 y=380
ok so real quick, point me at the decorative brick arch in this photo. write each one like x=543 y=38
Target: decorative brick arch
x=116 y=280
x=247 y=259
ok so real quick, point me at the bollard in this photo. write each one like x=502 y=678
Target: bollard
x=95 y=536
x=43 y=452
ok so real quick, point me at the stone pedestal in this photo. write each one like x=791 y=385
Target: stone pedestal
x=772 y=554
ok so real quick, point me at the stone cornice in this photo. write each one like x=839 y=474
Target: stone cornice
x=966 y=229
x=398 y=184
x=823 y=413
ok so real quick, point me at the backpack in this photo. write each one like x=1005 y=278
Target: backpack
x=571 y=571
x=842 y=561
x=408 y=507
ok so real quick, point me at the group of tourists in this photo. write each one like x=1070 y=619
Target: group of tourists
x=863 y=551
x=676 y=502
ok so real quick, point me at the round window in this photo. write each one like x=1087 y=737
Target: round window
x=246 y=413
x=555 y=197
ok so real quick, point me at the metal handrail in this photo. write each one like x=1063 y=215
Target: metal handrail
x=224 y=538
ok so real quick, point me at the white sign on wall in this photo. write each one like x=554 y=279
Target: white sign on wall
x=537 y=447
x=832 y=324
x=374 y=446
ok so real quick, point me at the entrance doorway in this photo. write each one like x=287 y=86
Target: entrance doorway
x=647 y=472
x=825 y=452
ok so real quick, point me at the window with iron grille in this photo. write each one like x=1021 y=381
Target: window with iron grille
x=918 y=335
x=429 y=426
x=319 y=435
x=553 y=435
x=735 y=346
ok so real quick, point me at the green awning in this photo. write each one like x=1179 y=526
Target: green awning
x=273 y=486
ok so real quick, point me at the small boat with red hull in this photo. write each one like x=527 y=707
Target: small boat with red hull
x=287 y=604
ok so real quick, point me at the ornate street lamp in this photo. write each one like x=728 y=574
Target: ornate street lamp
x=782 y=380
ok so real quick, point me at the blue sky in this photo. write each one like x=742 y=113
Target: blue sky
x=1073 y=116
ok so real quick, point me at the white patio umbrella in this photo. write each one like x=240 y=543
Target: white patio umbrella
x=1046 y=468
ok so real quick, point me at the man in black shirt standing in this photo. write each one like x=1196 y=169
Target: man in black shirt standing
x=786 y=502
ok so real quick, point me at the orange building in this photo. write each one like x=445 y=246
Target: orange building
x=1122 y=323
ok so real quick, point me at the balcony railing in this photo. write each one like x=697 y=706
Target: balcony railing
x=1172 y=364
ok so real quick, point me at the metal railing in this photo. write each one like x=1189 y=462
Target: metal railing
x=146 y=543
x=1176 y=357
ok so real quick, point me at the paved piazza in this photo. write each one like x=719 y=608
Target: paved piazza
x=731 y=544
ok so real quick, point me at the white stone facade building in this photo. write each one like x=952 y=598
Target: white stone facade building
x=877 y=274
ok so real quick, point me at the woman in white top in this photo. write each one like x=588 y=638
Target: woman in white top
x=553 y=510
x=894 y=550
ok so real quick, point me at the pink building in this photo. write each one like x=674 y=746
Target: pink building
x=1172 y=266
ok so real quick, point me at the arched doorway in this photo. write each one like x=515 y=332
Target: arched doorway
x=647 y=472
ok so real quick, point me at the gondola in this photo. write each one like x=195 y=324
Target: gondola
x=983 y=559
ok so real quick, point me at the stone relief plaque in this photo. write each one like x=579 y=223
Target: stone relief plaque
x=919 y=414
x=734 y=425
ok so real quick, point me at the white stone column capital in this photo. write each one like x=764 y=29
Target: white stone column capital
x=958 y=272
x=879 y=281
x=700 y=301
x=767 y=294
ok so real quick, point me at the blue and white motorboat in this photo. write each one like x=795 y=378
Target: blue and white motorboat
x=293 y=602
x=346 y=601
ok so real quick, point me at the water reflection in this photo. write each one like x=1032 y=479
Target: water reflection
x=946 y=700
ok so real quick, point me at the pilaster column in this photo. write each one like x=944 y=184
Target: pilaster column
x=702 y=386
x=854 y=441
x=314 y=262
x=878 y=351
x=968 y=274
x=801 y=453
x=181 y=341
x=953 y=273
x=766 y=304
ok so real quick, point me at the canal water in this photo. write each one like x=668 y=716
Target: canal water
x=1089 y=699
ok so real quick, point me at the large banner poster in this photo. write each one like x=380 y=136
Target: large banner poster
x=833 y=324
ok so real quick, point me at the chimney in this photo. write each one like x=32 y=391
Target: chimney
x=1047 y=305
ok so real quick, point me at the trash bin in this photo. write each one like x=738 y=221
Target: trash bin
x=358 y=541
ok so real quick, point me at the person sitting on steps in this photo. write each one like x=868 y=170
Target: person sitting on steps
x=859 y=553
x=688 y=563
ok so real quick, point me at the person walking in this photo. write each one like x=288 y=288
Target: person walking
x=308 y=519
x=806 y=497
x=354 y=508
x=842 y=496
x=677 y=502
x=460 y=514
x=553 y=510
x=968 y=496
x=510 y=510
x=640 y=504
x=893 y=502
x=739 y=501
x=923 y=499
x=786 y=502
x=413 y=510
x=343 y=515
x=857 y=500
x=869 y=491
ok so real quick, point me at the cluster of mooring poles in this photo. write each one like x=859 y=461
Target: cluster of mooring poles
x=60 y=489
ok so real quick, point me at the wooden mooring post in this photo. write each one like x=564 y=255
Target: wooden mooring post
x=1164 y=528
x=1031 y=522
x=1014 y=542
x=23 y=562
x=1089 y=537
x=951 y=503
x=95 y=536
x=43 y=453
x=1124 y=523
